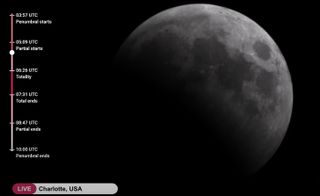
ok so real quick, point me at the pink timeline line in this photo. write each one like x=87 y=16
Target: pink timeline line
x=11 y=34
x=11 y=82
x=11 y=71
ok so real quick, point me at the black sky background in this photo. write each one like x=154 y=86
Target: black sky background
x=79 y=105
x=295 y=166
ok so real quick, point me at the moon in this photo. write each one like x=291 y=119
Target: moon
x=226 y=70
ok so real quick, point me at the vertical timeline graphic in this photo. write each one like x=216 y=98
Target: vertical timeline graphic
x=27 y=50
x=11 y=82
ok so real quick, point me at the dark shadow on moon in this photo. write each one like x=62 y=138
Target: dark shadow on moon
x=167 y=113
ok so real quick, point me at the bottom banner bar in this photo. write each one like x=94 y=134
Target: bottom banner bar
x=65 y=188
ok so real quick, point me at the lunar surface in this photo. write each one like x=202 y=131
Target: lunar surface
x=226 y=70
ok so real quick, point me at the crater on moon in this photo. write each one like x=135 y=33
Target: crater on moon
x=262 y=50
